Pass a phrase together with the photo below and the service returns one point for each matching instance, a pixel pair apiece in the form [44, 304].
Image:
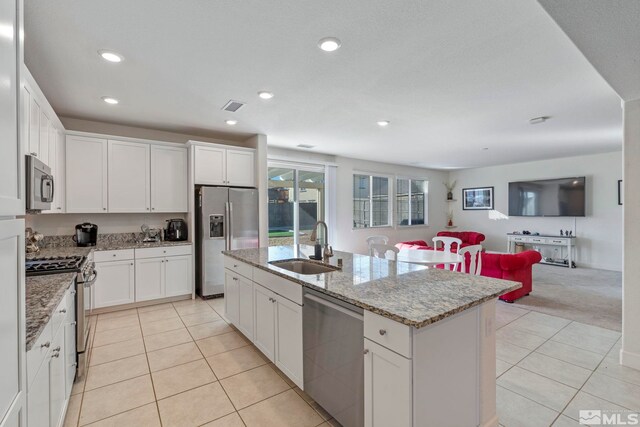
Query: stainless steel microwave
[40, 187]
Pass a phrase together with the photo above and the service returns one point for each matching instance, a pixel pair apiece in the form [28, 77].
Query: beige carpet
[581, 294]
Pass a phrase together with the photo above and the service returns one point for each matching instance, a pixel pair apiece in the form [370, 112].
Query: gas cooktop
[53, 265]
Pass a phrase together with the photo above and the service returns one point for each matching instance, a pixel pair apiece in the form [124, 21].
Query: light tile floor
[182, 364]
[549, 368]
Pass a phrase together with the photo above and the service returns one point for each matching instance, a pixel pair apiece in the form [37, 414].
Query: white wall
[599, 233]
[64, 224]
[354, 240]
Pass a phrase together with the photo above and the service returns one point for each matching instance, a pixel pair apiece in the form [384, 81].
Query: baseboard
[492, 422]
[139, 304]
[632, 360]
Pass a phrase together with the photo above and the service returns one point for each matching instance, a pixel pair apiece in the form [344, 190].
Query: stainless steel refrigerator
[227, 218]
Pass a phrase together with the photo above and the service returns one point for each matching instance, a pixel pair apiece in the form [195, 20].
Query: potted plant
[450, 219]
[450, 187]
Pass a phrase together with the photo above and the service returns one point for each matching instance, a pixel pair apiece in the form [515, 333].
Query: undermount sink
[303, 266]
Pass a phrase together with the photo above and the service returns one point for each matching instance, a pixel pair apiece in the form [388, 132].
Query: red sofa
[468, 238]
[516, 267]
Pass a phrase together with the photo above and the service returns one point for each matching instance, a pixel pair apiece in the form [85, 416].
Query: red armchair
[516, 267]
[468, 237]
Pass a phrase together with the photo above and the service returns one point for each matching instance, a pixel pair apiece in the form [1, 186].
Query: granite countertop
[112, 246]
[43, 294]
[407, 293]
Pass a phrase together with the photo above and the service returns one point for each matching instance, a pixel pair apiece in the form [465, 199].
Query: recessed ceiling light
[265, 95]
[329, 44]
[537, 120]
[383, 123]
[231, 122]
[110, 56]
[110, 100]
[485, 148]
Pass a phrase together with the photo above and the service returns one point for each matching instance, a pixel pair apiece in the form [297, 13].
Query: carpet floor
[582, 294]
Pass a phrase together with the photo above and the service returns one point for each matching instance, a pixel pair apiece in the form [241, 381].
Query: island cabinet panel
[387, 388]
[57, 380]
[264, 323]
[288, 355]
[231, 297]
[245, 307]
[288, 289]
[38, 397]
[388, 333]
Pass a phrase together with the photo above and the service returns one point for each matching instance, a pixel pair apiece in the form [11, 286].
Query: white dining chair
[447, 242]
[475, 252]
[381, 251]
[376, 240]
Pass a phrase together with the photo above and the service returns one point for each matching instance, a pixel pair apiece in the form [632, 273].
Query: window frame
[426, 200]
[390, 196]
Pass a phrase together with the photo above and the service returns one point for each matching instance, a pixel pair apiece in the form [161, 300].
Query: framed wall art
[476, 199]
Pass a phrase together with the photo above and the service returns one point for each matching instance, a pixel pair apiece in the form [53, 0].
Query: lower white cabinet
[115, 283]
[245, 307]
[231, 297]
[265, 324]
[51, 367]
[288, 355]
[387, 387]
[126, 276]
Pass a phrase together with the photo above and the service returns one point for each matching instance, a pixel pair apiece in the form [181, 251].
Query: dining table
[428, 257]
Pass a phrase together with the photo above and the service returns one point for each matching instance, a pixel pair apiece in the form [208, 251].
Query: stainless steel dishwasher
[333, 342]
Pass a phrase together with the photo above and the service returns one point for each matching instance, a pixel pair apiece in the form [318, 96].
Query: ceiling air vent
[305, 146]
[233, 106]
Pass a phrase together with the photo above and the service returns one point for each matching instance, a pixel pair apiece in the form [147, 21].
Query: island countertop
[407, 293]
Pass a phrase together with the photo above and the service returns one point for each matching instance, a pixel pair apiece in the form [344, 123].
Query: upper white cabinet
[86, 174]
[34, 126]
[216, 165]
[169, 179]
[128, 177]
[45, 125]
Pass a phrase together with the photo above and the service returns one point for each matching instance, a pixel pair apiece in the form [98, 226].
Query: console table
[568, 242]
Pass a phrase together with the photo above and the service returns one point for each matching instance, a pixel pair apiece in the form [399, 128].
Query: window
[370, 201]
[411, 201]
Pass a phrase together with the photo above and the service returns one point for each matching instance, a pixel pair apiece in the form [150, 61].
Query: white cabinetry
[34, 126]
[387, 385]
[231, 297]
[86, 174]
[288, 355]
[216, 165]
[149, 279]
[178, 274]
[128, 177]
[169, 189]
[43, 150]
[265, 323]
[115, 283]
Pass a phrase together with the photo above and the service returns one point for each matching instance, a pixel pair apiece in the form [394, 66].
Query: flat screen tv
[548, 197]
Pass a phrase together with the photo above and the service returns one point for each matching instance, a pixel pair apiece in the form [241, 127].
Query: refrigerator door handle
[230, 222]
[227, 242]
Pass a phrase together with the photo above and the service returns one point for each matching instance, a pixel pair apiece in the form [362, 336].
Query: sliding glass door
[296, 202]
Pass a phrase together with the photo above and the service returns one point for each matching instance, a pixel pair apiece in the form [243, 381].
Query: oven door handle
[92, 280]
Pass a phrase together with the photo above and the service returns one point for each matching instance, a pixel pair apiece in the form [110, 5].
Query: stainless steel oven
[40, 185]
[84, 286]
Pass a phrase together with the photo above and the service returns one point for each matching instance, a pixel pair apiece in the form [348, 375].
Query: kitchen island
[429, 334]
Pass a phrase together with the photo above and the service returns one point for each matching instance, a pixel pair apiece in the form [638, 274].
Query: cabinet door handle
[382, 332]
[45, 345]
[235, 278]
[104, 209]
[235, 265]
[73, 323]
[115, 255]
[64, 310]
[57, 349]
[73, 292]
[55, 355]
[366, 351]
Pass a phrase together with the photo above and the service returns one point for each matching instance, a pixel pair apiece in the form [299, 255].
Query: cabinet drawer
[239, 267]
[519, 239]
[288, 289]
[163, 251]
[388, 333]
[58, 315]
[540, 240]
[121, 254]
[38, 352]
[557, 241]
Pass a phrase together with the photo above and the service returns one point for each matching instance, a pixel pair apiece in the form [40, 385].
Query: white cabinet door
[210, 165]
[240, 168]
[169, 189]
[387, 387]
[115, 283]
[178, 275]
[43, 151]
[129, 177]
[231, 297]
[245, 312]
[12, 358]
[38, 398]
[70, 343]
[149, 279]
[57, 385]
[60, 176]
[86, 174]
[288, 355]
[264, 320]
[34, 126]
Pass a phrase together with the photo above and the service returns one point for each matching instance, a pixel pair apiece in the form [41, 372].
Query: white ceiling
[453, 77]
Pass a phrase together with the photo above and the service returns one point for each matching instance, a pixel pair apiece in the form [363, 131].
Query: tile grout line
[146, 355]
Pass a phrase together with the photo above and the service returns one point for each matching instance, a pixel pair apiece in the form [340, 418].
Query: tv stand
[568, 242]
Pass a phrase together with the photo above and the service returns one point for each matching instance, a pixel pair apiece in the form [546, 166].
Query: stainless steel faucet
[328, 250]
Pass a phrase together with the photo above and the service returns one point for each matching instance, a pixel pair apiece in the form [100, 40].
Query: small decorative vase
[449, 197]
[450, 223]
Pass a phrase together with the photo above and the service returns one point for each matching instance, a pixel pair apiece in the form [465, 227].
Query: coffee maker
[176, 230]
[86, 234]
